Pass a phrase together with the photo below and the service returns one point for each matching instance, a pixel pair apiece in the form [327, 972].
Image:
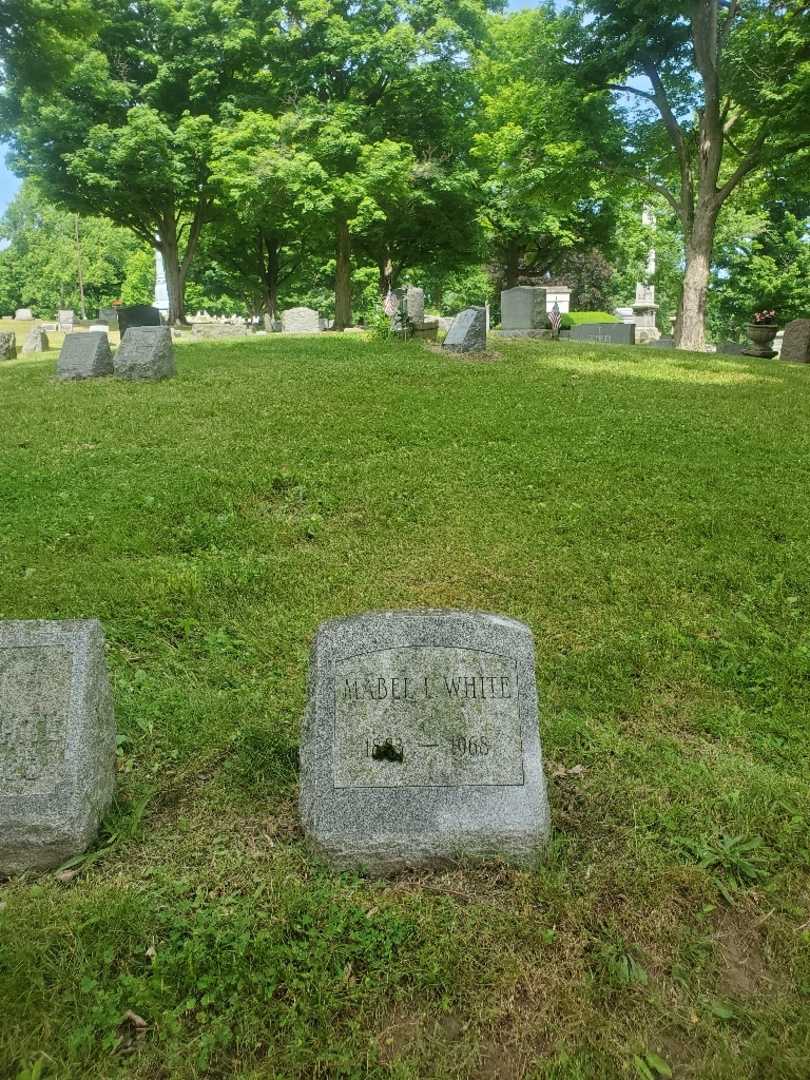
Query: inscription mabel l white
[427, 716]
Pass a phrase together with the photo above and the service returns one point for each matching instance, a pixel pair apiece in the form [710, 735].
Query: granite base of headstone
[300, 320]
[796, 342]
[8, 345]
[36, 342]
[145, 352]
[137, 315]
[421, 744]
[605, 333]
[468, 332]
[84, 356]
[57, 741]
[214, 331]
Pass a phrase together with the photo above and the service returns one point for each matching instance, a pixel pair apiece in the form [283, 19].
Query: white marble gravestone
[421, 743]
[57, 741]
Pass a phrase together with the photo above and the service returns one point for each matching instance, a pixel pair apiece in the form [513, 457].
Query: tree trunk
[80, 269]
[690, 325]
[343, 277]
[270, 269]
[386, 272]
[512, 266]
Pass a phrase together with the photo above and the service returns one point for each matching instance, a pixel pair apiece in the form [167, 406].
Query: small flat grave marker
[57, 741]
[421, 742]
[605, 333]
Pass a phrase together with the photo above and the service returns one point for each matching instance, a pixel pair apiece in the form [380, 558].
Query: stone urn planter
[761, 335]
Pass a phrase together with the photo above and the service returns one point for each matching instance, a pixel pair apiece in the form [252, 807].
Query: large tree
[123, 128]
[709, 92]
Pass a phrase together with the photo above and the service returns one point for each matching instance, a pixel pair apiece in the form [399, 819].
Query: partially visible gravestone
[145, 352]
[660, 343]
[218, 330]
[23, 313]
[421, 743]
[8, 345]
[796, 342]
[300, 320]
[523, 308]
[414, 298]
[625, 314]
[605, 333]
[37, 341]
[98, 327]
[57, 741]
[730, 348]
[468, 332]
[137, 315]
[84, 356]
[65, 319]
[445, 322]
[109, 315]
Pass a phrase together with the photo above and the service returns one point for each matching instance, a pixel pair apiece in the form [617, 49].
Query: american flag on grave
[390, 304]
[555, 318]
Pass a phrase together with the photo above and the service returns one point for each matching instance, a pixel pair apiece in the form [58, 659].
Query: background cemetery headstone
[23, 313]
[109, 315]
[421, 741]
[65, 319]
[35, 342]
[468, 331]
[207, 330]
[145, 352]
[645, 311]
[84, 356]
[8, 345]
[605, 333]
[300, 320]
[137, 315]
[796, 342]
[523, 308]
[57, 741]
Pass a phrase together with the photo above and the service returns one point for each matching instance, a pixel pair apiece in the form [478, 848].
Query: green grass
[645, 512]
[578, 317]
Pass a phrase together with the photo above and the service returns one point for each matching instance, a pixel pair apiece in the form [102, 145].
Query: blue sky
[9, 183]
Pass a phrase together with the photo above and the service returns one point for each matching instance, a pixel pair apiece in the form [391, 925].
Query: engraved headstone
[145, 352]
[421, 742]
[109, 315]
[137, 315]
[414, 298]
[468, 331]
[523, 308]
[8, 345]
[605, 333]
[84, 356]
[23, 313]
[796, 342]
[37, 341]
[57, 741]
[300, 320]
[65, 318]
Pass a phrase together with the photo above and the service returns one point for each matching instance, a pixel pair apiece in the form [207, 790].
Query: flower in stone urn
[762, 330]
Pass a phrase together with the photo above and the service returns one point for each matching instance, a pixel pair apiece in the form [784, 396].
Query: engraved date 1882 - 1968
[393, 749]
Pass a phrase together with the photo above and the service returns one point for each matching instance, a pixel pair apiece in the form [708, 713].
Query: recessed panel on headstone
[605, 333]
[57, 741]
[421, 742]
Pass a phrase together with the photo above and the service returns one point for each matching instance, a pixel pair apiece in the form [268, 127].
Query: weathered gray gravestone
[138, 315]
[468, 331]
[605, 333]
[796, 342]
[23, 313]
[65, 318]
[145, 352]
[37, 341]
[523, 308]
[84, 356]
[300, 320]
[219, 330]
[420, 743]
[57, 741]
[8, 346]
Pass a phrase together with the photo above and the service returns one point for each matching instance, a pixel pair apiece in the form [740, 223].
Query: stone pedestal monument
[645, 310]
[161, 301]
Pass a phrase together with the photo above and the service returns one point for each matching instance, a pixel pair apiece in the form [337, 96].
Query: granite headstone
[145, 352]
[36, 342]
[65, 319]
[84, 356]
[468, 331]
[605, 333]
[57, 741]
[138, 315]
[523, 308]
[421, 742]
[300, 320]
[796, 342]
[23, 313]
[8, 345]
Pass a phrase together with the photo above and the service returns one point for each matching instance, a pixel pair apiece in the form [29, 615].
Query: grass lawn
[646, 513]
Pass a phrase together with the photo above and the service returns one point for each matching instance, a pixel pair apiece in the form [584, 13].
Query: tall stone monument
[57, 741]
[421, 743]
[161, 301]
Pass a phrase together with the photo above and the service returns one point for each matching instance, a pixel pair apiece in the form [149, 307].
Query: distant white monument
[161, 288]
